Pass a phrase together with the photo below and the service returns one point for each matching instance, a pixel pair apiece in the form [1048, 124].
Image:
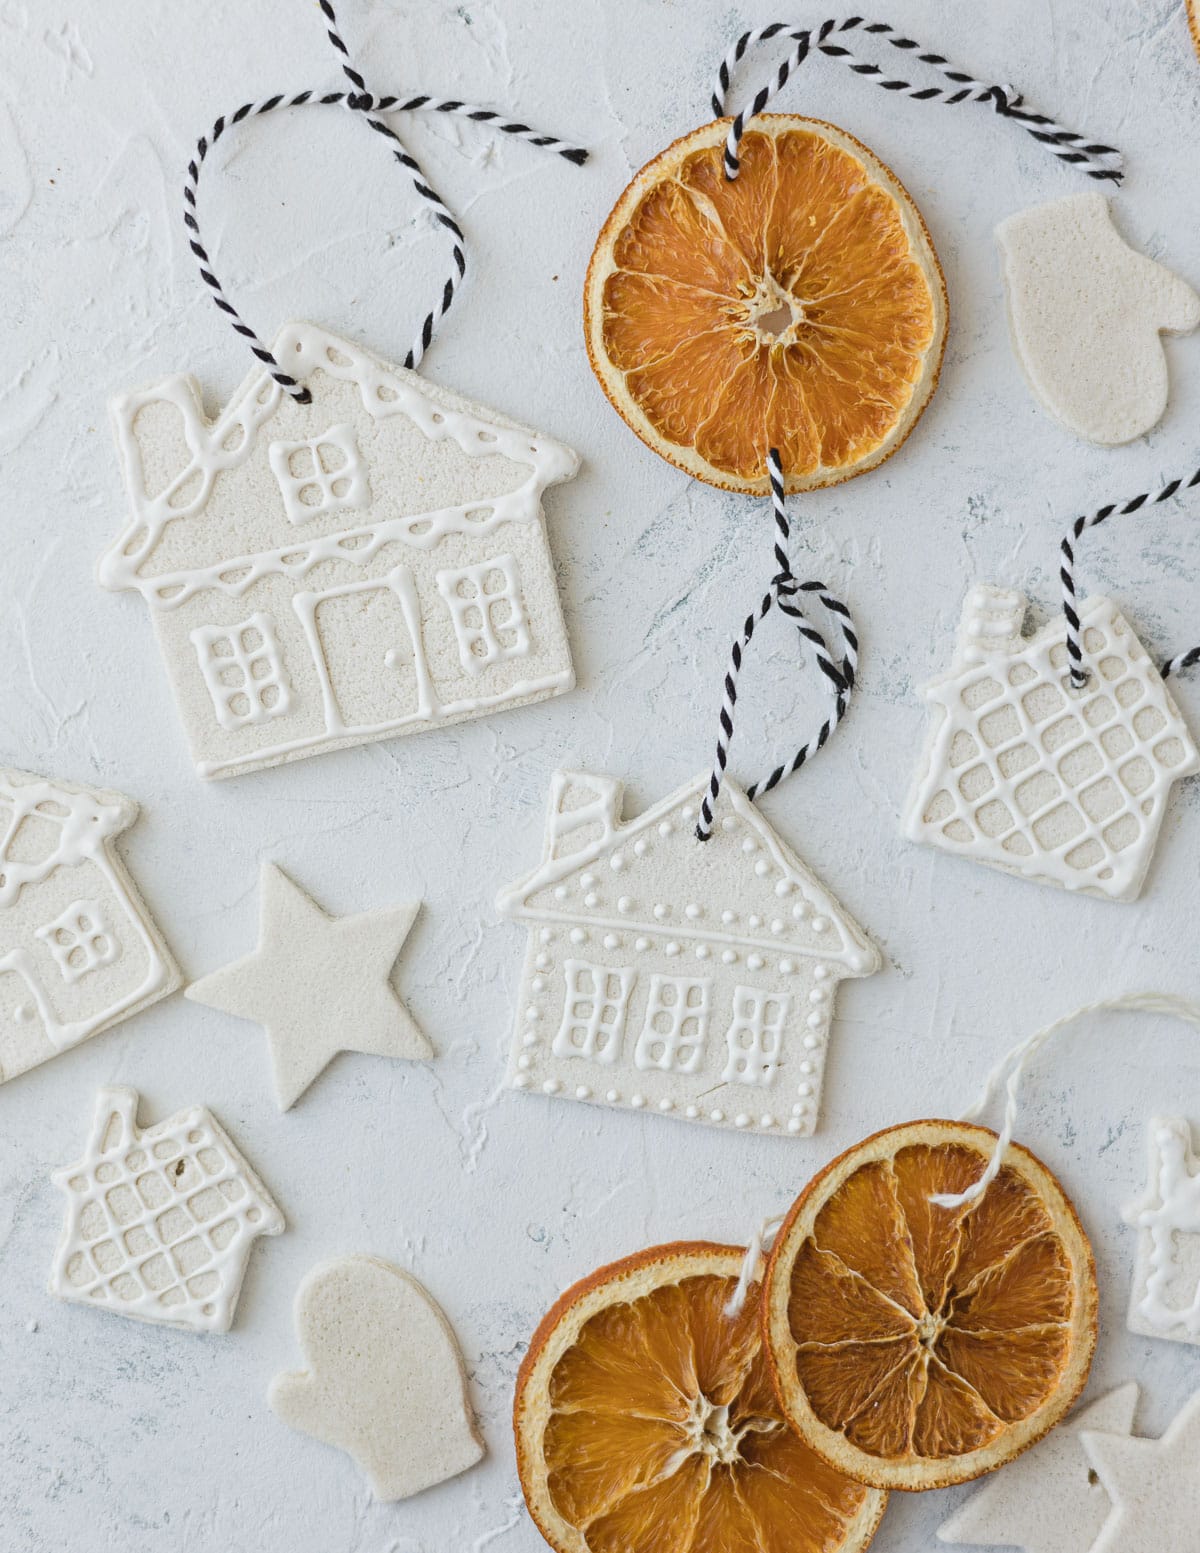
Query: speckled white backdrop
[118, 1435]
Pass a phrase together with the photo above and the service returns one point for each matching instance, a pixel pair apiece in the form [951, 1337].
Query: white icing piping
[514, 901]
[1171, 1208]
[90, 819]
[563, 679]
[384, 392]
[1115, 872]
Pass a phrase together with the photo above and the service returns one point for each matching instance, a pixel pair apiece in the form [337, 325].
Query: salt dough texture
[160, 1220]
[1047, 1501]
[696, 979]
[1165, 1297]
[321, 575]
[78, 949]
[1154, 1486]
[1086, 312]
[1024, 773]
[317, 984]
[385, 1381]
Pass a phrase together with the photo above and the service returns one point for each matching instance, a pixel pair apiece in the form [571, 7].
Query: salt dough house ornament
[369, 564]
[1024, 773]
[692, 978]
[1165, 1299]
[78, 951]
[1086, 312]
[385, 1381]
[1048, 1500]
[160, 1220]
[1154, 1486]
[318, 985]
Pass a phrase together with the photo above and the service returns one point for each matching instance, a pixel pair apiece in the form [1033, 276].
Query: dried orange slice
[1193, 15]
[645, 1422]
[800, 306]
[915, 1346]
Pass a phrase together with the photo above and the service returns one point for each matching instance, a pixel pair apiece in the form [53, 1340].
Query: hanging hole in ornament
[336, 358]
[437, 419]
[1070, 688]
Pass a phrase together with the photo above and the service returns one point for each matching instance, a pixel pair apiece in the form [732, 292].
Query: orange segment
[813, 268]
[914, 1346]
[646, 1422]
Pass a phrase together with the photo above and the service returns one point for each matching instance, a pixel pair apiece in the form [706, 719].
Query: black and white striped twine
[1098, 161]
[783, 593]
[358, 100]
[1079, 672]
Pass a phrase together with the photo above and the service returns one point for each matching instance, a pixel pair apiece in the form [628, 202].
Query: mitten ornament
[1086, 312]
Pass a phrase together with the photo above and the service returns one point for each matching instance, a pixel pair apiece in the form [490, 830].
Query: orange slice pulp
[799, 306]
[645, 1422]
[912, 1345]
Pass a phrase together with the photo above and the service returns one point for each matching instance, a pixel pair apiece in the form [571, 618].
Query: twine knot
[360, 102]
[1006, 99]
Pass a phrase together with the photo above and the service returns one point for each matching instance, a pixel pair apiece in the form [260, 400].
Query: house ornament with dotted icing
[1027, 774]
[160, 1220]
[663, 973]
[78, 951]
[370, 564]
[1165, 1300]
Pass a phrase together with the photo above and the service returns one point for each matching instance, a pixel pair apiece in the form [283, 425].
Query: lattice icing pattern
[1025, 773]
[159, 1221]
[692, 979]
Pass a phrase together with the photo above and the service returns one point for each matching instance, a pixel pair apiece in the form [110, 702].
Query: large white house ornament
[160, 1220]
[78, 950]
[320, 575]
[1165, 1300]
[696, 979]
[1025, 773]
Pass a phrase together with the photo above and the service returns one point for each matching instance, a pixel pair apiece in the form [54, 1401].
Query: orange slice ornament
[645, 1422]
[914, 1343]
[799, 306]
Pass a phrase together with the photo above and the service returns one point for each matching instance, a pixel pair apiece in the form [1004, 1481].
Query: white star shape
[1046, 1501]
[1154, 1486]
[317, 984]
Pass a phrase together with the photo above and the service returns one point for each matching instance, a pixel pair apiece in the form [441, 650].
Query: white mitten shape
[1086, 312]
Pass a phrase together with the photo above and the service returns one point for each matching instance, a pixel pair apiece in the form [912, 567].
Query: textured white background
[119, 1435]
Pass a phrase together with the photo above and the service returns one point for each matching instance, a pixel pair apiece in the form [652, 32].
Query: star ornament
[317, 984]
[1047, 1501]
[1154, 1486]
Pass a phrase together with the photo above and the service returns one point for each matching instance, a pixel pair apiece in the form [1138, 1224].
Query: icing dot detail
[741, 1120]
[551, 1086]
[754, 961]
[524, 1062]
[616, 862]
[591, 899]
[611, 941]
[637, 1101]
[729, 956]
[520, 1080]
[820, 925]
[612, 1096]
[624, 905]
[702, 951]
[582, 1092]
[815, 1021]
[728, 917]
[787, 967]
[692, 910]
[784, 887]
[578, 936]
[692, 1112]
[666, 1103]
[716, 1116]
[641, 943]
[660, 911]
[665, 828]
[672, 948]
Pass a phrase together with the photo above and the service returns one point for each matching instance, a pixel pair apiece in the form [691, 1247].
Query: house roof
[742, 887]
[225, 443]
[47, 824]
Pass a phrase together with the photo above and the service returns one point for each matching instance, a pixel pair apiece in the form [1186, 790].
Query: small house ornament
[160, 1220]
[370, 562]
[1025, 772]
[78, 950]
[665, 973]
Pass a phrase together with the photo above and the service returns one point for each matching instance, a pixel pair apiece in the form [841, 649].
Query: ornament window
[755, 1036]
[593, 1018]
[80, 940]
[488, 613]
[319, 474]
[243, 671]
[676, 1023]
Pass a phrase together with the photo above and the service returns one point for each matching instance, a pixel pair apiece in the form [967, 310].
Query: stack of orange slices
[893, 1343]
[799, 306]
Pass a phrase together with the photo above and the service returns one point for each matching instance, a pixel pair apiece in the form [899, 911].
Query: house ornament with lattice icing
[160, 1220]
[1165, 1300]
[370, 564]
[696, 979]
[78, 950]
[1026, 773]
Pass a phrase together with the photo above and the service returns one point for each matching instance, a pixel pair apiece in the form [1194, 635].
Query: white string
[752, 1262]
[1019, 1056]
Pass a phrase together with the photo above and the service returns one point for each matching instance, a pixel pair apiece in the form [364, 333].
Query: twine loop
[1097, 160]
[782, 592]
[1079, 671]
[357, 100]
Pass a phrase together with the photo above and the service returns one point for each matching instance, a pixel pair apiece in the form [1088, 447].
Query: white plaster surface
[114, 1435]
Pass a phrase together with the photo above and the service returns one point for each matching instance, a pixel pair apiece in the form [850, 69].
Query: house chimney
[991, 622]
[583, 813]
